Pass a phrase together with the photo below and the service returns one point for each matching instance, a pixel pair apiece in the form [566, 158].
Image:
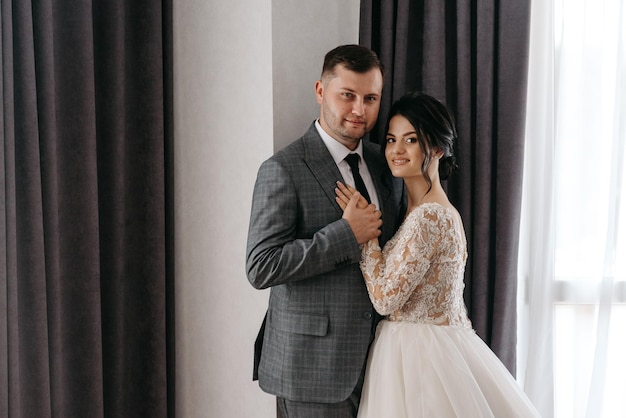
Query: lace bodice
[418, 276]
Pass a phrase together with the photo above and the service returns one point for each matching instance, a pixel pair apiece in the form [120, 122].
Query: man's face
[349, 104]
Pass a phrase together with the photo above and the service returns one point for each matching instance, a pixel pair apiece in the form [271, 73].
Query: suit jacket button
[367, 315]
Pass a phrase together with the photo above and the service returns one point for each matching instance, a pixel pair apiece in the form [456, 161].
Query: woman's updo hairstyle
[435, 127]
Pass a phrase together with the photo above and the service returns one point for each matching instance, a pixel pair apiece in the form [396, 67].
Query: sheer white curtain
[573, 249]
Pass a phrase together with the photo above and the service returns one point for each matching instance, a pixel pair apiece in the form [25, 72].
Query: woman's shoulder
[437, 212]
[434, 207]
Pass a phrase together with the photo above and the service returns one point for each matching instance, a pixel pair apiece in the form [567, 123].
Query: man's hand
[363, 218]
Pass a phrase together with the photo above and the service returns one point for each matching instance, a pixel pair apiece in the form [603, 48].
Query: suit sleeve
[276, 253]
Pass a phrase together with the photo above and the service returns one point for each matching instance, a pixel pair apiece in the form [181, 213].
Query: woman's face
[403, 152]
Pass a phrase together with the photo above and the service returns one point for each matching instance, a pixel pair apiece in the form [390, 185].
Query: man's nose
[358, 107]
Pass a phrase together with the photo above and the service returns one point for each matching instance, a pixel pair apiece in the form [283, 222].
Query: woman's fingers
[344, 200]
[344, 192]
[346, 189]
[343, 195]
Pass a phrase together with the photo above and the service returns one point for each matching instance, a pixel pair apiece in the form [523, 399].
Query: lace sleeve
[392, 274]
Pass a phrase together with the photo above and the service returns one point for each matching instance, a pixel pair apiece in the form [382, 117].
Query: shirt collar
[337, 150]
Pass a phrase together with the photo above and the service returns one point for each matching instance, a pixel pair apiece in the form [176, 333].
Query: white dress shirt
[339, 152]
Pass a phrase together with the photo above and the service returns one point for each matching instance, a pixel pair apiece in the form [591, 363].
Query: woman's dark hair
[435, 130]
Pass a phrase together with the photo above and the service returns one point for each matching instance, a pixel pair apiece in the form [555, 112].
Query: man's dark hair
[355, 58]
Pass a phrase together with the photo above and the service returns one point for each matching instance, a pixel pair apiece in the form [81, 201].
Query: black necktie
[353, 162]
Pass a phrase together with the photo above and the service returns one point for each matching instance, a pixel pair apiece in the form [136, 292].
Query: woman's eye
[410, 140]
[390, 140]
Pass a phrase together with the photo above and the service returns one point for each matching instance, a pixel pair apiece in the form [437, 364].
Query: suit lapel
[377, 170]
[323, 167]
[383, 182]
[321, 163]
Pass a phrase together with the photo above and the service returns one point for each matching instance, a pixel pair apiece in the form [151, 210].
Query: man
[320, 321]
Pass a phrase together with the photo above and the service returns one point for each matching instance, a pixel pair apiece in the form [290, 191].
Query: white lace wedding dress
[426, 360]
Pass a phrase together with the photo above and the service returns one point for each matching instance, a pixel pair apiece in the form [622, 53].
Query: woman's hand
[344, 193]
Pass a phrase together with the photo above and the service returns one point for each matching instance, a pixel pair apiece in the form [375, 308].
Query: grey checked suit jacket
[319, 321]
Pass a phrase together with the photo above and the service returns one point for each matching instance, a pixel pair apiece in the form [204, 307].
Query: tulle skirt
[421, 370]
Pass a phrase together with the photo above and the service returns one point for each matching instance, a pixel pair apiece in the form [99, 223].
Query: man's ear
[319, 91]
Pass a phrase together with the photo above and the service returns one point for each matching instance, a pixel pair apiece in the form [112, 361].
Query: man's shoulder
[372, 153]
[294, 147]
[370, 146]
[299, 146]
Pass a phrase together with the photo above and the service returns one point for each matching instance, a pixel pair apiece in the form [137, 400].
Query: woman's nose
[397, 147]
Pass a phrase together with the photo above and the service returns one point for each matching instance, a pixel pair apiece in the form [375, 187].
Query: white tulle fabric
[426, 360]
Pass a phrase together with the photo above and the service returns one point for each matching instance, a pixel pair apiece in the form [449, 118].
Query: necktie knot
[353, 162]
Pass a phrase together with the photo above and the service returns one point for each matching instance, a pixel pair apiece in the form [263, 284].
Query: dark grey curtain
[86, 274]
[473, 56]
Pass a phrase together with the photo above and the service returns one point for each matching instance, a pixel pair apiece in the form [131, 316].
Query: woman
[426, 360]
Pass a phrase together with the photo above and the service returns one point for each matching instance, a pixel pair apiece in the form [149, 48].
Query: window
[575, 180]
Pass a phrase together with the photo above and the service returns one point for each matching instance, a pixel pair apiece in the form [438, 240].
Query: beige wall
[303, 31]
[244, 72]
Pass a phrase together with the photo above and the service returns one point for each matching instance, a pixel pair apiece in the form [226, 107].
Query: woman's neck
[418, 192]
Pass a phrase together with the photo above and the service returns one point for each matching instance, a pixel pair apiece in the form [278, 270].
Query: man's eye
[372, 99]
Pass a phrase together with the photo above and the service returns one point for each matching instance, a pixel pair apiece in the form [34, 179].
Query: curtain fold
[472, 56]
[536, 290]
[86, 261]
